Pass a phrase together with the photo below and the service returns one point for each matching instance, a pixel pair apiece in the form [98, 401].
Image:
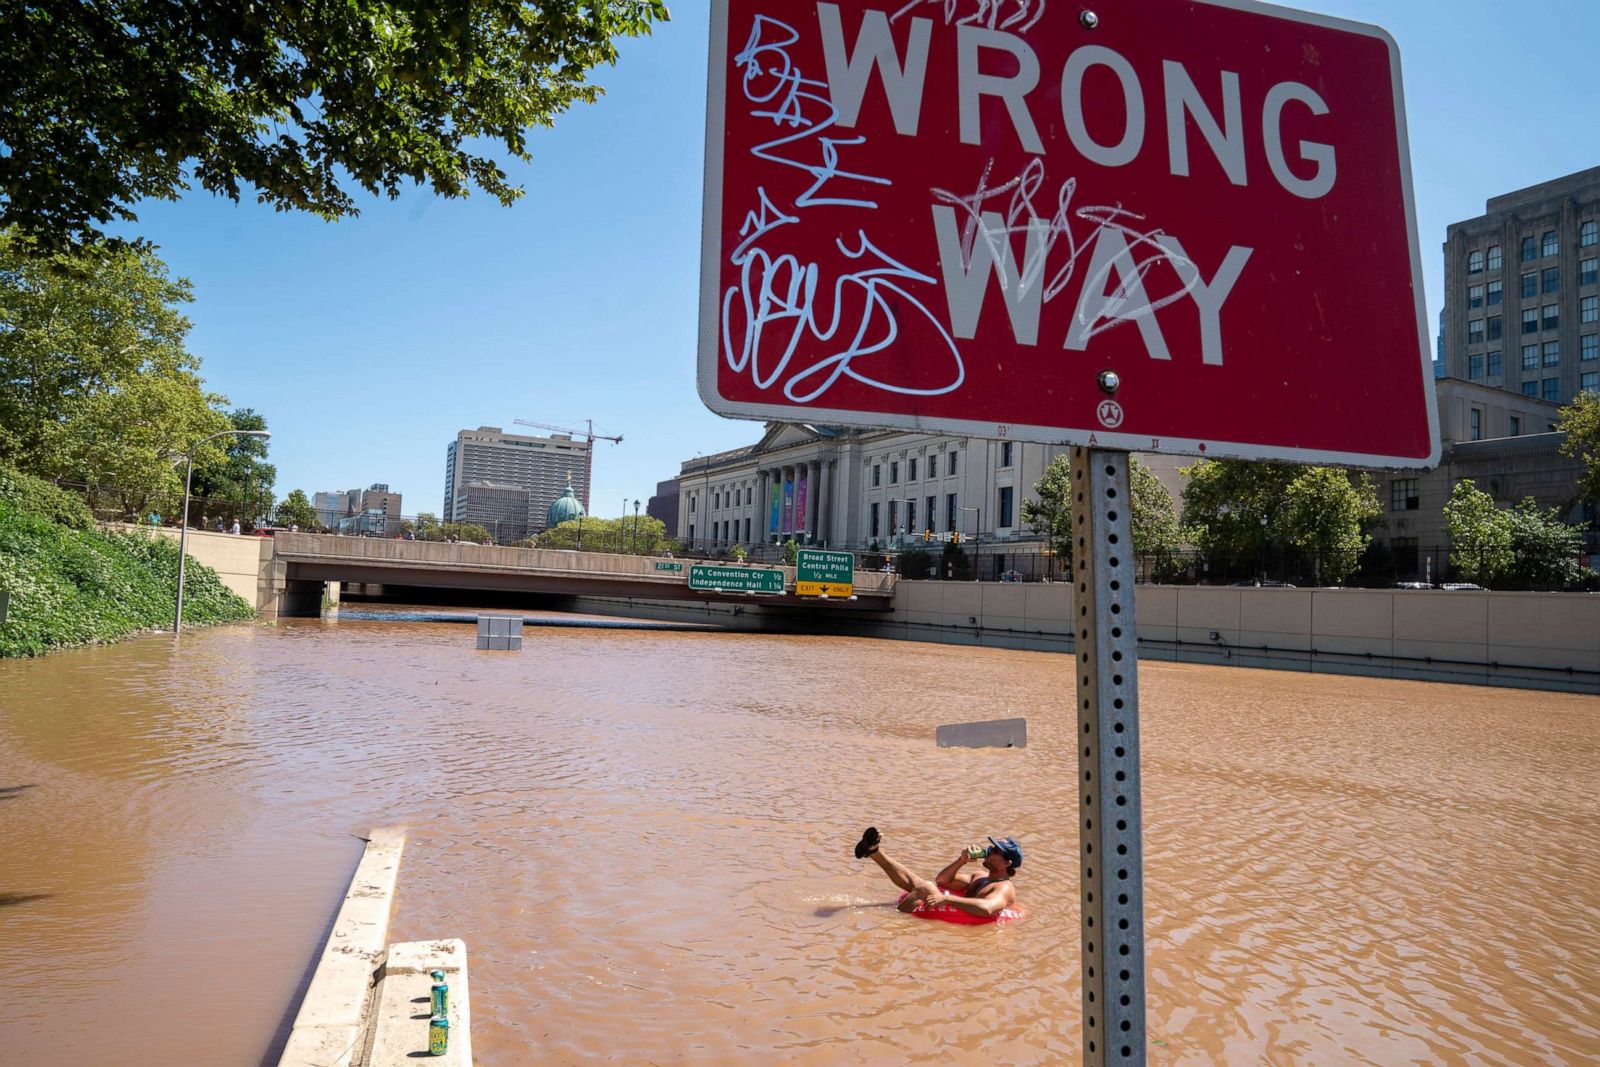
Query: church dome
[565, 508]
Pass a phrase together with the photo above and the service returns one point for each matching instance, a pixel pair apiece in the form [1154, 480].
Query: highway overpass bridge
[297, 567]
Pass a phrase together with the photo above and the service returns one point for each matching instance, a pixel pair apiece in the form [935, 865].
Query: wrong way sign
[959, 216]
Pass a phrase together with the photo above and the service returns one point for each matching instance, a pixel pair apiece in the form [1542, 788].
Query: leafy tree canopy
[1049, 510]
[641, 534]
[297, 510]
[1327, 513]
[241, 478]
[111, 102]
[1226, 500]
[96, 385]
[1580, 421]
[1480, 537]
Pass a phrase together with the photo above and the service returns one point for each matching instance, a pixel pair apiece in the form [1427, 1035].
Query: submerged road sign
[735, 579]
[820, 572]
[960, 215]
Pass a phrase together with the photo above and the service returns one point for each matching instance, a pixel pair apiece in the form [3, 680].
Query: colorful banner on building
[772, 527]
[800, 501]
[788, 505]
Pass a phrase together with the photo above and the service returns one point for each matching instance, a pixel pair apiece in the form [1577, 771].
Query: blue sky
[368, 343]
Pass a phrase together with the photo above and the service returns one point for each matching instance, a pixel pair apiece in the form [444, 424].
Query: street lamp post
[1263, 550]
[183, 529]
[635, 527]
[977, 536]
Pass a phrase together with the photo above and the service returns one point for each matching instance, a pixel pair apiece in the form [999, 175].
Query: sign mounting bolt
[1088, 20]
[1109, 382]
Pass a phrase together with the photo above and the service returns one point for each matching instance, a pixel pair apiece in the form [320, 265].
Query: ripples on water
[645, 839]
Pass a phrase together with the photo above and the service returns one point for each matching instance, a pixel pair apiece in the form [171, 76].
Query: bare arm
[951, 874]
[984, 906]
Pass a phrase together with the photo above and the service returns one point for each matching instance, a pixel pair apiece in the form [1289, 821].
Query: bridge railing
[564, 562]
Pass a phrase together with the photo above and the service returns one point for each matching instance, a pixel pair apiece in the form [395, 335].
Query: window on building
[1474, 366]
[1495, 329]
[1475, 262]
[1516, 426]
[1589, 381]
[1530, 357]
[911, 516]
[1405, 494]
[1552, 353]
[932, 504]
[1589, 347]
[1552, 279]
[1477, 424]
[1530, 387]
[1587, 273]
[1005, 453]
[877, 475]
[1495, 257]
[1474, 331]
[894, 472]
[693, 499]
[1474, 296]
[1496, 292]
[1496, 365]
[1530, 320]
[950, 462]
[1589, 309]
[1588, 233]
[894, 517]
[1004, 507]
[1530, 250]
[747, 531]
[911, 469]
[1551, 244]
[1552, 390]
[872, 522]
[950, 510]
[1552, 317]
[1530, 285]
[933, 465]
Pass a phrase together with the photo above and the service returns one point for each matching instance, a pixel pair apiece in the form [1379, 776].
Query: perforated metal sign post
[1111, 852]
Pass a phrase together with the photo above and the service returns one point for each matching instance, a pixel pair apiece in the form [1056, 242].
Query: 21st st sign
[953, 215]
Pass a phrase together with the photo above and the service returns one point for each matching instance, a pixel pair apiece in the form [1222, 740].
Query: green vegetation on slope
[71, 585]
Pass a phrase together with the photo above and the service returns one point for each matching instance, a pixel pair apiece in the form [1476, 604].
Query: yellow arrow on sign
[827, 589]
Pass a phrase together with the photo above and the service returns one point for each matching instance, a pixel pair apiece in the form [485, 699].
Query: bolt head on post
[1109, 381]
[1088, 20]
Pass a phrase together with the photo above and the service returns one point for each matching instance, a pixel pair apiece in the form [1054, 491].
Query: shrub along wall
[72, 585]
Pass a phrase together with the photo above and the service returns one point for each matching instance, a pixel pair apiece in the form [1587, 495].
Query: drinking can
[441, 999]
[438, 1035]
[976, 852]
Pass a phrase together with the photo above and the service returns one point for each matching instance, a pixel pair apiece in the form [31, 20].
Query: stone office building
[859, 488]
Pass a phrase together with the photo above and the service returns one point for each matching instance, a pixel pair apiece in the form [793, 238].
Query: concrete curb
[400, 1007]
[329, 1030]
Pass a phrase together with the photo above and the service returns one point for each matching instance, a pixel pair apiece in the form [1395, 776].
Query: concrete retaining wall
[1530, 640]
[238, 559]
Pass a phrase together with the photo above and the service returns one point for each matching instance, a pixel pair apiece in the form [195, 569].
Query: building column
[758, 528]
[814, 499]
[825, 502]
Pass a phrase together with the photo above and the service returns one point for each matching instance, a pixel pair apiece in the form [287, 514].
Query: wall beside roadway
[238, 559]
[1527, 640]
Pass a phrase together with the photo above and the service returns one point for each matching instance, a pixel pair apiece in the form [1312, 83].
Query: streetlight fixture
[1263, 547]
[183, 529]
[635, 526]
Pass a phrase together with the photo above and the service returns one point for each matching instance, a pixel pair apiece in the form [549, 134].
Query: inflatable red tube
[951, 914]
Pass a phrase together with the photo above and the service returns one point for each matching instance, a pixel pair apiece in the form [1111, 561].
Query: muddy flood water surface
[645, 840]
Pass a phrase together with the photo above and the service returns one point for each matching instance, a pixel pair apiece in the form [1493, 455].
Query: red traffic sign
[959, 215]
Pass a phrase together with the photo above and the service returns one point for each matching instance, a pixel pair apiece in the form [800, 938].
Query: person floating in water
[983, 897]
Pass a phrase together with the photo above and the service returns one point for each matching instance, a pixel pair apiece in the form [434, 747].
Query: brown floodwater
[644, 838]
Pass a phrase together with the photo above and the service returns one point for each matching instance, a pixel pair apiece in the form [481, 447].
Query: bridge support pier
[280, 597]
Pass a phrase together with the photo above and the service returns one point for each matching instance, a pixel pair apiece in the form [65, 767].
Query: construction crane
[590, 437]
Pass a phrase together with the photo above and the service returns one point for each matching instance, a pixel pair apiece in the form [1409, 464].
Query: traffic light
[927, 535]
[955, 536]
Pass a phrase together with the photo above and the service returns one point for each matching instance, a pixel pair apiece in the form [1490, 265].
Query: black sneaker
[868, 843]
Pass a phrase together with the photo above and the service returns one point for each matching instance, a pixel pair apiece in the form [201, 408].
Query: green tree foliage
[649, 538]
[95, 384]
[1480, 536]
[112, 102]
[1544, 550]
[1049, 511]
[1580, 421]
[916, 563]
[296, 510]
[1327, 514]
[239, 481]
[1225, 501]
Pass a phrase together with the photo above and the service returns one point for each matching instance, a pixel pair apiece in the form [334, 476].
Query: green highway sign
[821, 565]
[736, 579]
[664, 565]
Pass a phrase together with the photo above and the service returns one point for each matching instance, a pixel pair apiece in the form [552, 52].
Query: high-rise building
[481, 464]
[373, 510]
[1522, 291]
